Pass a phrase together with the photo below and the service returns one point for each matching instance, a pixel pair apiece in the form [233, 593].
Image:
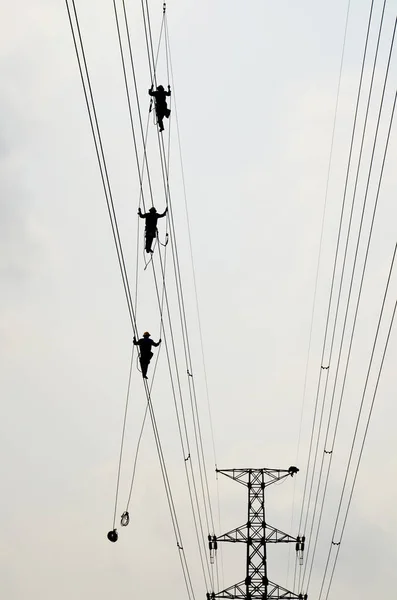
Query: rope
[136, 268]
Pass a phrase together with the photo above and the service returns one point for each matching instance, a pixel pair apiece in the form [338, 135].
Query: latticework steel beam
[256, 534]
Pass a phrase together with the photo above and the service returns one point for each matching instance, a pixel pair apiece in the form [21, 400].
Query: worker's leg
[149, 241]
[144, 366]
[145, 360]
[160, 117]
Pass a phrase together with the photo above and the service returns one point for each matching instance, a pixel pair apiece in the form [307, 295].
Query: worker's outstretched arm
[135, 342]
[169, 92]
[141, 214]
[151, 92]
[158, 343]
[164, 213]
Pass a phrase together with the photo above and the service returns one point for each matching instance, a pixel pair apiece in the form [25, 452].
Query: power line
[357, 425]
[351, 281]
[167, 42]
[353, 327]
[190, 240]
[185, 337]
[100, 156]
[334, 269]
[148, 172]
[201, 458]
[318, 266]
[104, 176]
[141, 171]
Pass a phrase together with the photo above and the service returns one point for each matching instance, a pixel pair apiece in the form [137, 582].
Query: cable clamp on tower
[299, 548]
[213, 546]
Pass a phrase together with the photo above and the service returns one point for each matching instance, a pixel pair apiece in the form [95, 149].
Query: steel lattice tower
[256, 534]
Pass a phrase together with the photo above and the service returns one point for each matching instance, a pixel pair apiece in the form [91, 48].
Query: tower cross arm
[272, 535]
[274, 592]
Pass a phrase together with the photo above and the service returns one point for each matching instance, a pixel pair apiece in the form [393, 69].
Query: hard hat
[146, 334]
[160, 87]
[152, 209]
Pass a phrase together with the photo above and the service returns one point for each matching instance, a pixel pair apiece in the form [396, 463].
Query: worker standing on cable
[161, 107]
[145, 346]
[151, 218]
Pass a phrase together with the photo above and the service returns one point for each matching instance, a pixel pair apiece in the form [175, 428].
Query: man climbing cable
[150, 225]
[145, 346]
[161, 107]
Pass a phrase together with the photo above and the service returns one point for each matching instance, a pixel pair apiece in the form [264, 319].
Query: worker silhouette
[145, 346]
[161, 107]
[151, 218]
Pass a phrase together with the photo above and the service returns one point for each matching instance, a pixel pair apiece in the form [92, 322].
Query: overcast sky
[256, 85]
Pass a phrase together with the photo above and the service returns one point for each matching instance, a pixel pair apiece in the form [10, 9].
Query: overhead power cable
[154, 272]
[332, 446]
[317, 274]
[335, 262]
[92, 114]
[170, 71]
[329, 361]
[196, 420]
[107, 190]
[136, 269]
[356, 429]
[146, 19]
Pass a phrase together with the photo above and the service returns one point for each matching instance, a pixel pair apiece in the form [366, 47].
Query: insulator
[215, 545]
[292, 471]
[208, 595]
[303, 538]
[297, 546]
[125, 519]
[113, 535]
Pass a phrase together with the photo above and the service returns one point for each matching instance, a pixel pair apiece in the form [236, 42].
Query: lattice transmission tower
[256, 534]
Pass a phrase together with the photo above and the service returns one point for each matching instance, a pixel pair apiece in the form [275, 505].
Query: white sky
[256, 88]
